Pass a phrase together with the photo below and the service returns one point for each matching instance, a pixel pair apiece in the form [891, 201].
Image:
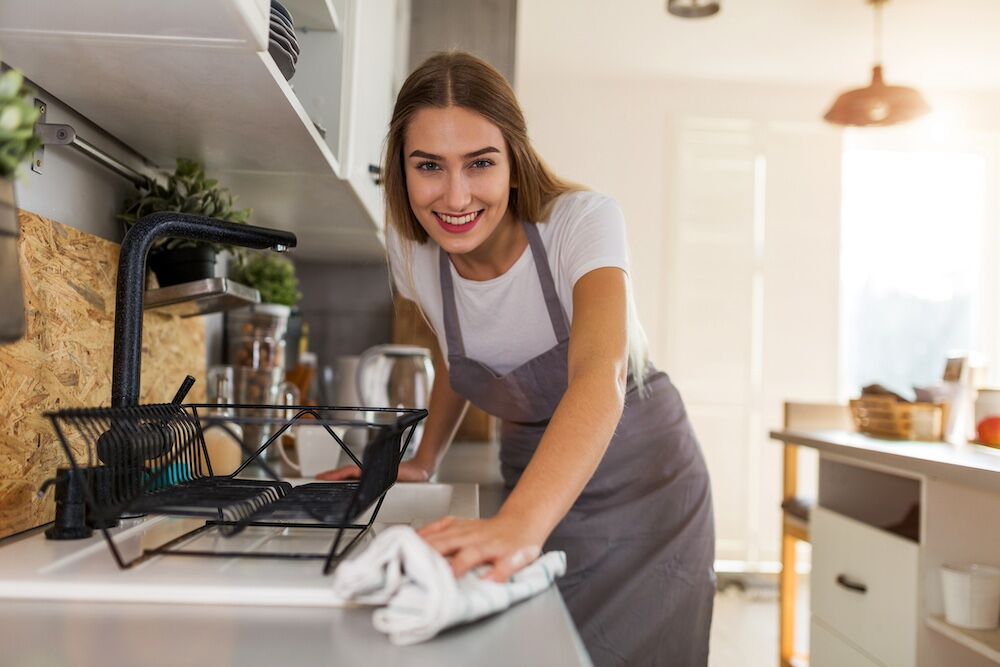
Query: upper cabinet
[194, 79]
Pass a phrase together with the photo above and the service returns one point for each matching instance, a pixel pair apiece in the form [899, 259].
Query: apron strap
[556, 313]
[452, 328]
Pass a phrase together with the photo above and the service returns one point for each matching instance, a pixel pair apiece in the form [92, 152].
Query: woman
[523, 278]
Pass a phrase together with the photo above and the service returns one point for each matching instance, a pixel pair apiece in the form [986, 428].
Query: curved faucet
[127, 365]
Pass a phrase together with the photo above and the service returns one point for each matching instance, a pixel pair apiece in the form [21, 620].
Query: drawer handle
[851, 585]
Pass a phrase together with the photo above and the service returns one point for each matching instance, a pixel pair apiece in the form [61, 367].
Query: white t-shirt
[504, 321]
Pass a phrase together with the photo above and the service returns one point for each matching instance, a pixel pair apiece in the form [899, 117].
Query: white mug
[317, 450]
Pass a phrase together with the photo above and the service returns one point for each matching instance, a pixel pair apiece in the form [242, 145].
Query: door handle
[842, 580]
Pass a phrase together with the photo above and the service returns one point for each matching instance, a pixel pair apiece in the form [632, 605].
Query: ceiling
[947, 43]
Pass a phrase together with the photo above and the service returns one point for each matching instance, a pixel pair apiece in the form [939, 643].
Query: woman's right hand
[409, 471]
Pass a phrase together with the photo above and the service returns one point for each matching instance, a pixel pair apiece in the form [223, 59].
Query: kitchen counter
[535, 632]
[112, 633]
[966, 464]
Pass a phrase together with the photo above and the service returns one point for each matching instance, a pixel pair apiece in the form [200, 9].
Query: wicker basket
[886, 417]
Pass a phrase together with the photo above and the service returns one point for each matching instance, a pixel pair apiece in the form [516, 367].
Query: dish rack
[887, 417]
[153, 460]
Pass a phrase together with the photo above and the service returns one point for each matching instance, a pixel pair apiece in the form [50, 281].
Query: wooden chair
[795, 513]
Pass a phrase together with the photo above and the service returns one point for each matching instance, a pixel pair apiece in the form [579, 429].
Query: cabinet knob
[376, 172]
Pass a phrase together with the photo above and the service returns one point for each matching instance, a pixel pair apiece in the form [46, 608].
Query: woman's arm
[572, 446]
[444, 413]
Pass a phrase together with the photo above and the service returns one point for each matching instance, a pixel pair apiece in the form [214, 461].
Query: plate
[280, 18]
[283, 43]
[283, 32]
[281, 10]
[281, 58]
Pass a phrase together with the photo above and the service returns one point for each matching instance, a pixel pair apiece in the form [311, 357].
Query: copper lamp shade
[877, 104]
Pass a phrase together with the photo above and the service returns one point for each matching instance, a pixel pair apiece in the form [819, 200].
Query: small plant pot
[182, 265]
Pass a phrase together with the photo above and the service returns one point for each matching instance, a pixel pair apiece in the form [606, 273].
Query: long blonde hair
[460, 79]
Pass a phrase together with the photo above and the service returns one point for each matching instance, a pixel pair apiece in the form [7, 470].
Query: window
[913, 284]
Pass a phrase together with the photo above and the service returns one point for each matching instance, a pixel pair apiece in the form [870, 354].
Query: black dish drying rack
[153, 460]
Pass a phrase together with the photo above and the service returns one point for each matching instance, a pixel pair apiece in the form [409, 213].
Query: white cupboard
[195, 80]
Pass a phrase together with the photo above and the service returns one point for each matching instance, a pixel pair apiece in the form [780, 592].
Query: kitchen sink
[35, 568]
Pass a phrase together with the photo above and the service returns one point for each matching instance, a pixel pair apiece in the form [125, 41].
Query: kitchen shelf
[313, 14]
[172, 83]
[984, 642]
[200, 297]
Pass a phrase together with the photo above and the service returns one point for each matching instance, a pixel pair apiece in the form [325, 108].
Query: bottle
[222, 438]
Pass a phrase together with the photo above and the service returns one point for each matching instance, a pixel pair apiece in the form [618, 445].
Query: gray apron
[640, 540]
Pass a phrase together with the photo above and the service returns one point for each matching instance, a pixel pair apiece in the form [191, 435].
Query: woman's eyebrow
[431, 156]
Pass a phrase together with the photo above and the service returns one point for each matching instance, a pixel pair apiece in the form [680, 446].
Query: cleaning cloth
[417, 593]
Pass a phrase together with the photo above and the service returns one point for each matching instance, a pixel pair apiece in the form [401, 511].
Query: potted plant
[188, 190]
[17, 142]
[256, 333]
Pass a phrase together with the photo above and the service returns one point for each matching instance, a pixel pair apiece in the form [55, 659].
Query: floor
[745, 622]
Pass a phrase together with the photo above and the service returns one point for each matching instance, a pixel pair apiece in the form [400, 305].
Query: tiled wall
[348, 307]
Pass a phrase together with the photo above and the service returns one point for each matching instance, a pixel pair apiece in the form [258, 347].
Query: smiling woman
[524, 280]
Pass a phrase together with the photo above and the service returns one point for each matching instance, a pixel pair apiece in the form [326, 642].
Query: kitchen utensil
[396, 376]
[278, 28]
[281, 58]
[281, 18]
[971, 595]
[285, 46]
[280, 8]
[264, 391]
[316, 449]
[173, 483]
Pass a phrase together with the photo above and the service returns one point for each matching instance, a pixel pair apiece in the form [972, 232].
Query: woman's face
[458, 178]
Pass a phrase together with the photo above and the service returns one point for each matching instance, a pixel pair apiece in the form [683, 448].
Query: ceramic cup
[317, 451]
[971, 595]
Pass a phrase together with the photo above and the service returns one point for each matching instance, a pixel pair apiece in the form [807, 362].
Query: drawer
[827, 649]
[864, 586]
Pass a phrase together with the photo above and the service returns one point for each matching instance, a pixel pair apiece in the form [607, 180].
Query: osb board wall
[409, 327]
[64, 360]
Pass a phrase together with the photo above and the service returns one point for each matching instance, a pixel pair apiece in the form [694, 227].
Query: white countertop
[967, 464]
[123, 634]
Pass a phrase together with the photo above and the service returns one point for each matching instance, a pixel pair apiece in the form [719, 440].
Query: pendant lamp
[692, 9]
[877, 104]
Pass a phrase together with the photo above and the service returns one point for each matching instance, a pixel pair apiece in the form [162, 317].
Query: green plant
[188, 190]
[272, 275]
[17, 123]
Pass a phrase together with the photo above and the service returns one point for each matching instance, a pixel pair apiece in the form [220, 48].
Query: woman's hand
[409, 471]
[503, 544]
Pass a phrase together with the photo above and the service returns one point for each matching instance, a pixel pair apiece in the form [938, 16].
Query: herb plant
[270, 274]
[188, 190]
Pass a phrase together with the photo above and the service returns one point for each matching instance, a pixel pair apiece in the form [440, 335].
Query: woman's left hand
[501, 543]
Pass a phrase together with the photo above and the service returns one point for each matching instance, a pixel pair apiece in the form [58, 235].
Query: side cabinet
[863, 584]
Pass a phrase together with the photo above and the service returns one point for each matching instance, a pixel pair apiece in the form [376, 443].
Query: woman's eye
[482, 164]
[427, 166]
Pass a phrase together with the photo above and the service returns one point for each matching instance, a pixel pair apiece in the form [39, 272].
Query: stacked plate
[281, 43]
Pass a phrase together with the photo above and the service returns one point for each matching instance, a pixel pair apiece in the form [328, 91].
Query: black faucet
[127, 365]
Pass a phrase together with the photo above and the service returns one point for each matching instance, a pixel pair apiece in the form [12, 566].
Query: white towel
[419, 591]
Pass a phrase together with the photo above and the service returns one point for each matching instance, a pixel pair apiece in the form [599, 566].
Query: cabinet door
[372, 94]
[864, 585]
[827, 649]
[216, 24]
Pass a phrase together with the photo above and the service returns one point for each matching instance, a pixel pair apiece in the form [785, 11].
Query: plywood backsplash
[64, 360]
